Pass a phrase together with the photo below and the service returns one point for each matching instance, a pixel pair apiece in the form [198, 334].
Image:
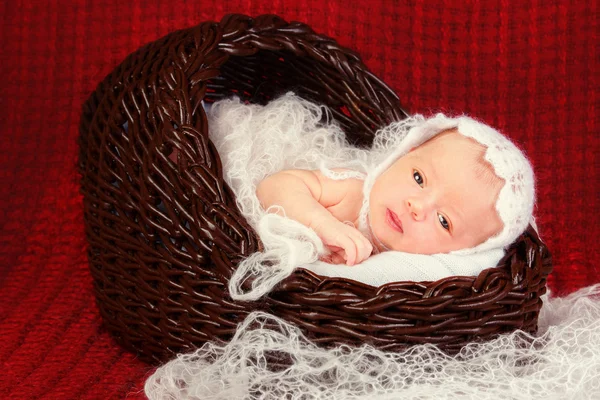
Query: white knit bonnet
[516, 198]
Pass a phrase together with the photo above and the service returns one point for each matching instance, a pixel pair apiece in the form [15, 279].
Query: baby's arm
[304, 196]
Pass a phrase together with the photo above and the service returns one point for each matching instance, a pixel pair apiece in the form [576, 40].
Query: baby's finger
[337, 258]
[364, 247]
[350, 247]
[368, 248]
[338, 255]
[326, 259]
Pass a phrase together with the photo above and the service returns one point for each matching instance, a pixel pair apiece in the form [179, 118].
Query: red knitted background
[528, 68]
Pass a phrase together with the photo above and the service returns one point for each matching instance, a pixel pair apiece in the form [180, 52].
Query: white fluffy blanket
[562, 362]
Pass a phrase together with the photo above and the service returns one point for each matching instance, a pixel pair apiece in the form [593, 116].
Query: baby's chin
[382, 239]
[378, 246]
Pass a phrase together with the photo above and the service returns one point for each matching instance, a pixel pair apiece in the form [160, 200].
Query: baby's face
[439, 197]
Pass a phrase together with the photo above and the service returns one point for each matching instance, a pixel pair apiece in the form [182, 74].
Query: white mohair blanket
[256, 141]
[562, 362]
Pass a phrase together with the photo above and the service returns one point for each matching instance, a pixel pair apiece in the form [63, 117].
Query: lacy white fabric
[562, 362]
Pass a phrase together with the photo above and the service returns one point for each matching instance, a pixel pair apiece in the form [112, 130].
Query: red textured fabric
[528, 68]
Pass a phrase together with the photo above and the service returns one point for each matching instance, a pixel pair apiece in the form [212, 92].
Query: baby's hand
[346, 243]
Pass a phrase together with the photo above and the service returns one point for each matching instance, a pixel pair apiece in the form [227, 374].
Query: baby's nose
[417, 208]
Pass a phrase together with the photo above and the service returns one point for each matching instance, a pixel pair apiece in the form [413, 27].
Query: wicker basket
[164, 238]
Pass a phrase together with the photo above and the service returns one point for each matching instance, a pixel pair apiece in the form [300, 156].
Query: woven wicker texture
[165, 237]
[528, 68]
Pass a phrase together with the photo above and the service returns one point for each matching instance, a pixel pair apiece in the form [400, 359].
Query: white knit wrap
[516, 198]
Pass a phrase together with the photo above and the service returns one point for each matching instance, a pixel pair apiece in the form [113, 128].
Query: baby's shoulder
[343, 185]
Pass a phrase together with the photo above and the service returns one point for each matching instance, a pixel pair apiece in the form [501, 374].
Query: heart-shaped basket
[164, 237]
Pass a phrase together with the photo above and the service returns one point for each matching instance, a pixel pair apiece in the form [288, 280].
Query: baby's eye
[444, 222]
[417, 177]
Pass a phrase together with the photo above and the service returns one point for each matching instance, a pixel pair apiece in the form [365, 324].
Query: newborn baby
[431, 198]
[439, 197]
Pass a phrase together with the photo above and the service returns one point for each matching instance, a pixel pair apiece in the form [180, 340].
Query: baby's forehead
[451, 143]
[453, 153]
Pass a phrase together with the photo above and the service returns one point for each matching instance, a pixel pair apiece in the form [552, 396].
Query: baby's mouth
[393, 220]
